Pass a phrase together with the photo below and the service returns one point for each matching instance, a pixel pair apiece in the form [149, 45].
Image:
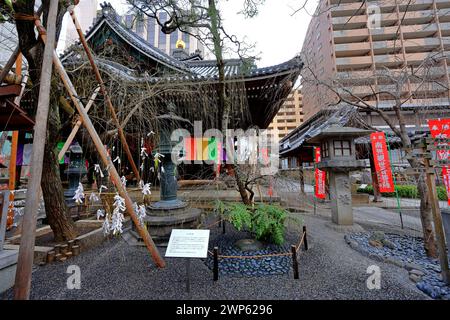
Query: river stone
[249, 245]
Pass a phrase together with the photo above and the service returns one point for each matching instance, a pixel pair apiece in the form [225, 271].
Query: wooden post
[3, 216]
[223, 226]
[9, 64]
[14, 144]
[438, 228]
[26, 250]
[305, 239]
[105, 93]
[12, 171]
[76, 126]
[104, 155]
[216, 264]
[373, 173]
[294, 261]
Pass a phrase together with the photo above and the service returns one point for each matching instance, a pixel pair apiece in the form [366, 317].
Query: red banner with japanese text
[319, 177]
[382, 162]
[440, 128]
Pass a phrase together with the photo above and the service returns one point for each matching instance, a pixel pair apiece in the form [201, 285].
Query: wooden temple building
[186, 83]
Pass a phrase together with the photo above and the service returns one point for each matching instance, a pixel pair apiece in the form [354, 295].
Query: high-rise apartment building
[354, 41]
[289, 116]
[148, 29]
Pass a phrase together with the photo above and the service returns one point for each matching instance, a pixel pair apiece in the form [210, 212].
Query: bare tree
[384, 91]
[204, 17]
[23, 14]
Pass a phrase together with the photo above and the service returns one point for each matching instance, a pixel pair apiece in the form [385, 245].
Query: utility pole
[26, 250]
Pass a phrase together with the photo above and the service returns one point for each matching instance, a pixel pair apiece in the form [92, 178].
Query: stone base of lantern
[163, 216]
[341, 198]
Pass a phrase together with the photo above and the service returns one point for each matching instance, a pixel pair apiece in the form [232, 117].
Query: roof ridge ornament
[108, 10]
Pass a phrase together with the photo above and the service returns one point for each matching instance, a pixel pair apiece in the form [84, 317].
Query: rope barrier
[282, 254]
[212, 224]
[301, 242]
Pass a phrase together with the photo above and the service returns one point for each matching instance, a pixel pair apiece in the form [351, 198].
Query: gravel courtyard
[330, 269]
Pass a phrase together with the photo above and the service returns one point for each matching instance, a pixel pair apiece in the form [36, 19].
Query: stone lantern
[169, 212]
[338, 158]
[75, 172]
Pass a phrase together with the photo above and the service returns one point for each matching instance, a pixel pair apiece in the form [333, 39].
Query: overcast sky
[278, 35]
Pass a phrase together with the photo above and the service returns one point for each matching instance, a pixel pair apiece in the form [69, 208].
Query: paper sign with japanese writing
[440, 128]
[319, 177]
[188, 243]
[382, 162]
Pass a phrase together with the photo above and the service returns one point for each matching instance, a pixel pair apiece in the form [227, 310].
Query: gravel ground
[330, 269]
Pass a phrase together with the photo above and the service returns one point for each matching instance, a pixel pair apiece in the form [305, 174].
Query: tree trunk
[427, 219]
[224, 103]
[55, 205]
[33, 48]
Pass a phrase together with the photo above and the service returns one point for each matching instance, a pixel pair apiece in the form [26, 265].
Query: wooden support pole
[305, 239]
[216, 264]
[12, 170]
[4, 195]
[106, 159]
[9, 64]
[26, 250]
[77, 126]
[294, 261]
[105, 93]
[437, 218]
[14, 145]
[223, 227]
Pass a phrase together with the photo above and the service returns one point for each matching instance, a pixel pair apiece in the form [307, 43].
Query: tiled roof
[188, 69]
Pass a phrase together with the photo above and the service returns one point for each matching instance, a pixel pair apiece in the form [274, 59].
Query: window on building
[342, 148]
[325, 153]
[173, 40]
[162, 35]
[151, 31]
[140, 27]
[185, 38]
[129, 21]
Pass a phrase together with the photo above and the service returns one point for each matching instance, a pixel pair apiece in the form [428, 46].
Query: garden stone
[376, 257]
[249, 245]
[353, 244]
[377, 236]
[417, 272]
[411, 266]
[415, 278]
[388, 243]
[375, 243]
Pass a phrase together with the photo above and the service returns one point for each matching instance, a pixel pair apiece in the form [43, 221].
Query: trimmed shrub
[407, 191]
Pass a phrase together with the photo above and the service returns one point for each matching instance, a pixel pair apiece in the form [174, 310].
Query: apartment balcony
[340, 9]
[352, 49]
[353, 63]
[352, 22]
[422, 31]
[389, 19]
[412, 59]
[348, 36]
